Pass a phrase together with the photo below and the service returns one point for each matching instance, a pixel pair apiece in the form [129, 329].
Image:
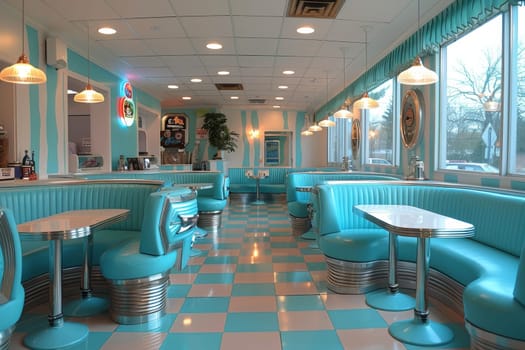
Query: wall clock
[411, 117]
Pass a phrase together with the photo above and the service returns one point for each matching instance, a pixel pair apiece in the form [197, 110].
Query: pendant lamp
[89, 95]
[22, 72]
[343, 112]
[418, 74]
[306, 131]
[326, 122]
[314, 127]
[366, 102]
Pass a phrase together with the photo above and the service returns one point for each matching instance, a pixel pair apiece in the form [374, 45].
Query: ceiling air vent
[229, 86]
[258, 101]
[314, 8]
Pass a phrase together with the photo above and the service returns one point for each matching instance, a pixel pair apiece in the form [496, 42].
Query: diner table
[56, 228]
[261, 174]
[422, 224]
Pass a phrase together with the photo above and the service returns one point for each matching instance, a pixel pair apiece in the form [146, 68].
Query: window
[517, 92]
[472, 103]
[381, 126]
[339, 141]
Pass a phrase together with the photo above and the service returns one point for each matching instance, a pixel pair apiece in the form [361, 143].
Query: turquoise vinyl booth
[138, 269]
[11, 290]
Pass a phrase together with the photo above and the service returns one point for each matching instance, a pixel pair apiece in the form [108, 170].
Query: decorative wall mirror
[355, 138]
[411, 117]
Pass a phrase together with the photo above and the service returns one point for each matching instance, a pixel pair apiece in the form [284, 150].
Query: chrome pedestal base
[56, 337]
[140, 300]
[389, 301]
[421, 333]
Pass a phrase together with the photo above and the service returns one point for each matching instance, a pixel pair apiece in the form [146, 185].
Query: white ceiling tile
[144, 61]
[299, 48]
[127, 47]
[153, 71]
[162, 27]
[219, 60]
[257, 27]
[256, 46]
[171, 46]
[82, 10]
[139, 8]
[256, 61]
[258, 7]
[211, 27]
[200, 7]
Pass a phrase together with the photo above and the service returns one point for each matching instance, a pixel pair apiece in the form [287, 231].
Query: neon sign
[126, 106]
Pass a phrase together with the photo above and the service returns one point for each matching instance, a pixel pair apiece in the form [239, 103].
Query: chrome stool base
[139, 300]
[210, 220]
[5, 337]
[300, 225]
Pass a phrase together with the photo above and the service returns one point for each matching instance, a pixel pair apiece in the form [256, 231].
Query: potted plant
[219, 135]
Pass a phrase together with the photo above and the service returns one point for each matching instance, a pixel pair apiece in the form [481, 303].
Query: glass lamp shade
[22, 72]
[417, 74]
[315, 127]
[343, 113]
[326, 123]
[366, 102]
[306, 132]
[88, 95]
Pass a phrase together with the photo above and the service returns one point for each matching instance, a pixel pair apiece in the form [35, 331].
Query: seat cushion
[359, 245]
[126, 262]
[210, 204]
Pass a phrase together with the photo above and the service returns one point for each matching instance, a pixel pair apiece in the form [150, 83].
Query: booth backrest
[310, 179]
[35, 201]
[478, 207]
[163, 224]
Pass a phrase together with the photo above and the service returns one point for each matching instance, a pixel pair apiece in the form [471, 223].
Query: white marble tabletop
[411, 221]
[70, 224]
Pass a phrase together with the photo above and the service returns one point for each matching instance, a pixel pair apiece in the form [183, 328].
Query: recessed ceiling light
[234, 97]
[283, 87]
[107, 30]
[276, 106]
[223, 72]
[196, 80]
[173, 86]
[279, 98]
[214, 46]
[305, 30]
[288, 72]
[71, 92]
[186, 97]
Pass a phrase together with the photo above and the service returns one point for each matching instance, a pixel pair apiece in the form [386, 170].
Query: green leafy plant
[219, 135]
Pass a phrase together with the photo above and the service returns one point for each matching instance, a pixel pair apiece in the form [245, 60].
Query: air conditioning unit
[56, 53]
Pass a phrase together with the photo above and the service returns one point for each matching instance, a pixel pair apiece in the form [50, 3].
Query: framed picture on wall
[411, 117]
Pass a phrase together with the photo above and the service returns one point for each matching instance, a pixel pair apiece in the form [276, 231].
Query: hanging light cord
[366, 58]
[23, 28]
[89, 57]
[419, 36]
